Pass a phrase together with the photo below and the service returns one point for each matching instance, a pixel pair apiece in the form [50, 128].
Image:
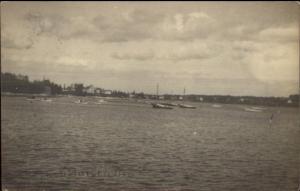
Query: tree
[78, 89]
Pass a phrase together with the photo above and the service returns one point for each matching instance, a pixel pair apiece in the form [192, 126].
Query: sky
[226, 48]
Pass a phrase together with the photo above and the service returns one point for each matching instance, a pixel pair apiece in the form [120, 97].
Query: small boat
[169, 104]
[187, 106]
[216, 106]
[252, 109]
[30, 98]
[259, 108]
[160, 106]
[46, 100]
[101, 101]
[80, 101]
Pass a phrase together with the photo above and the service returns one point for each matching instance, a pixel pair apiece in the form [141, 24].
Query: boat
[31, 98]
[252, 109]
[259, 108]
[160, 106]
[186, 106]
[169, 104]
[80, 101]
[101, 101]
[216, 105]
[182, 105]
[46, 100]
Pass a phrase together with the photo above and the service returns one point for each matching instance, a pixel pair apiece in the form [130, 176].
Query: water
[61, 145]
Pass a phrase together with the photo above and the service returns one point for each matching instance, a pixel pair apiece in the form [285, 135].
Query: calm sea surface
[61, 145]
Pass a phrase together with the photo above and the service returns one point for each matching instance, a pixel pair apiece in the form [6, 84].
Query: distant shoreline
[8, 94]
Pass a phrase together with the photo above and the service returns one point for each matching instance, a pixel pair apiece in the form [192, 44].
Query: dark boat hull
[187, 106]
[160, 106]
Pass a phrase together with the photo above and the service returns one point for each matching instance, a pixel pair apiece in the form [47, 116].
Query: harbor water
[114, 146]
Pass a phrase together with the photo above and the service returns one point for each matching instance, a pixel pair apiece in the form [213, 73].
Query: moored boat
[80, 101]
[160, 106]
[169, 104]
[182, 105]
[187, 106]
[252, 109]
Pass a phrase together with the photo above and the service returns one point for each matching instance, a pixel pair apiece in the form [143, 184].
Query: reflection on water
[61, 145]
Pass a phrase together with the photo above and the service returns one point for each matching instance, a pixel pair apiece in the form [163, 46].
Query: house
[89, 90]
[47, 90]
[98, 91]
[161, 97]
[107, 92]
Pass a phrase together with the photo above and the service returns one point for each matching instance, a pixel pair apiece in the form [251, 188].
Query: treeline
[292, 100]
[21, 84]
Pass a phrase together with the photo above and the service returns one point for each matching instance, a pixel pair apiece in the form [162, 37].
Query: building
[107, 92]
[89, 90]
[98, 91]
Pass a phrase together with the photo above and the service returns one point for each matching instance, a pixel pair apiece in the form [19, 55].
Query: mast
[157, 89]
[183, 95]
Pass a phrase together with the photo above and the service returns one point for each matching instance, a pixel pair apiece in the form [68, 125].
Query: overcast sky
[236, 48]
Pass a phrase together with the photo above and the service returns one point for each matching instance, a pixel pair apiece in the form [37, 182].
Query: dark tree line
[21, 84]
[116, 93]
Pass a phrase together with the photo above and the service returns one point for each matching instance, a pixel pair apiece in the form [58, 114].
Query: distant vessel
[216, 105]
[46, 99]
[80, 101]
[100, 101]
[259, 108]
[185, 105]
[160, 105]
[252, 109]
[31, 98]
[169, 104]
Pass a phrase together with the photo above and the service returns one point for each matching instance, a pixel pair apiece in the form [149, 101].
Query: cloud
[59, 26]
[130, 25]
[16, 43]
[245, 46]
[164, 50]
[126, 26]
[133, 55]
[13, 37]
[286, 34]
[187, 26]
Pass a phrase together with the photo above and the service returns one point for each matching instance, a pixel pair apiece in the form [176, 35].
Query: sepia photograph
[150, 96]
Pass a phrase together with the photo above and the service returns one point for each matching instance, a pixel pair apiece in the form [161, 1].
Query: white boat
[80, 101]
[185, 105]
[169, 104]
[101, 101]
[259, 108]
[252, 109]
[160, 106]
[46, 100]
[216, 105]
